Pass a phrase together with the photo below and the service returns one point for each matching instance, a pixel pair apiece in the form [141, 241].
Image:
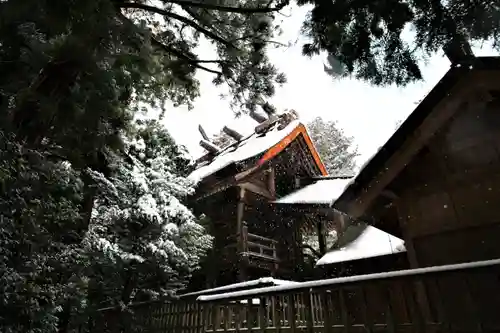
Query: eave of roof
[414, 120]
[267, 154]
[321, 191]
[280, 146]
[371, 242]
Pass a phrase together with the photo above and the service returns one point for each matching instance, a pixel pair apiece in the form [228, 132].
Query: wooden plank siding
[461, 298]
[450, 192]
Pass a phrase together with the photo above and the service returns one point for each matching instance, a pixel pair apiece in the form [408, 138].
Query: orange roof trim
[280, 146]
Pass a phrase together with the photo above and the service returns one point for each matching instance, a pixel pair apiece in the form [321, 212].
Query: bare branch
[180, 18]
[218, 61]
[276, 43]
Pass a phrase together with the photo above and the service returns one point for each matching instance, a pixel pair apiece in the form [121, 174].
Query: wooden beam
[257, 190]
[210, 146]
[389, 194]
[203, 133]
[257, 117]
[412, 145]
[214, 189]
[224, 184]
[247, 173]
[232, 133]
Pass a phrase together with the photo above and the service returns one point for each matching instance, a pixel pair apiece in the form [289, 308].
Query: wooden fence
[453, 298]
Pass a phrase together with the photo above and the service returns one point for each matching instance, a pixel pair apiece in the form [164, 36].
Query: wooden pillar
[420, 289]
[298, 256]
[211, 277]
[403, 225]
[296, 183]
[271, 182]
[297, 232]
[320, 225]
[240, 225]
[240, 210]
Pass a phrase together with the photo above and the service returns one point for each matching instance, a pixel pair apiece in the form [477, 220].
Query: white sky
[367, 113]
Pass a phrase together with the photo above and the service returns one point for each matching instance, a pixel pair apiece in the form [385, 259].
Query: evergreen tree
[73, 75]
[42, 267]
[144, 240]
[337, 150]
[365, 38]
[76, 172]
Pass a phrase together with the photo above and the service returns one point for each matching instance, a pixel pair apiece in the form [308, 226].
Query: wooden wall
[450, 193]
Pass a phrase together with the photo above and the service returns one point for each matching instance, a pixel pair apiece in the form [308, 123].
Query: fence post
[309, 311]
[244, 238]
[327, 322]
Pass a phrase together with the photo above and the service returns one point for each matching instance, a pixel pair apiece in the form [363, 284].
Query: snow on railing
[301, 286]
[460, 297]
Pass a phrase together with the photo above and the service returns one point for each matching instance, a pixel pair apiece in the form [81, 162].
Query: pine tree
[365, 38]
[42, 267]
[73, 76]
[75, 73]
[143, 238]
[337, 150]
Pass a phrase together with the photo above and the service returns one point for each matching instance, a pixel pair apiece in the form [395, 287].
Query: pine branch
[179, 18]
[169, 49]
[215, 61]
[241, 10]
[181, 55]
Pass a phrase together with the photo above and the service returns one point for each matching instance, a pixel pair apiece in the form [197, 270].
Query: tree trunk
[53, 83]
[64, 318]
[89, 193]
[458, 49]
[128, 288]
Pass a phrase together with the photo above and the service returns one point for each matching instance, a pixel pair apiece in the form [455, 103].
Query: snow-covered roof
[242, 285]
[323, 191]
[372, 242]
[251, 146]
[415, 119]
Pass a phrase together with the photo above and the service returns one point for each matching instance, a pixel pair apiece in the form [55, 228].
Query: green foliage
[337, 150]
[40, 265]
[366, 36]
[91, 202]
[144, 241]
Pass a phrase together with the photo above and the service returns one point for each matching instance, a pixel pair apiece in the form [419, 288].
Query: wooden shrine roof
[263, 146]
[320, 192]
[372, 242]
[441, 90]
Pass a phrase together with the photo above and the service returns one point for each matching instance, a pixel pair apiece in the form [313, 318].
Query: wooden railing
[258, 250]
[259, 246]
[454, 298]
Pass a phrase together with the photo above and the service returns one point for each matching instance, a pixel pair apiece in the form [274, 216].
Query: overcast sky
[367, 113]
